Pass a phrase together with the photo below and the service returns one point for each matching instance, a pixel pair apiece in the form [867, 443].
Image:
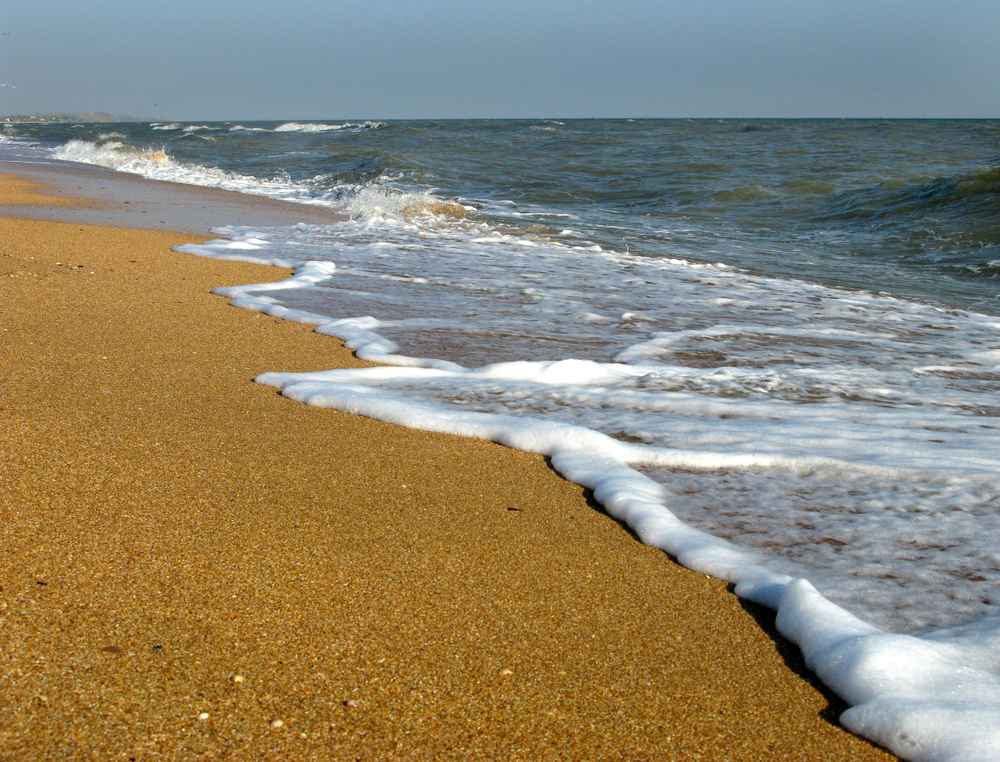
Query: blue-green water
[911, 207]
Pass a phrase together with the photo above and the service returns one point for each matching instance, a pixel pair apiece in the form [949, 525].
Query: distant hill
[76, 116]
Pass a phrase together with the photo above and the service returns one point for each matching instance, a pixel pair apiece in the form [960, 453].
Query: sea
[771, 347]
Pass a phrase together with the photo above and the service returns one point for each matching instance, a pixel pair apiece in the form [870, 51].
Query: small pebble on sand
[506, 672]
[352, 704]
[238, 678]
[277, 723]
[203, 716]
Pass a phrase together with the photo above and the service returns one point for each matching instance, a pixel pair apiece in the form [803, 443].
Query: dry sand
[167, 525]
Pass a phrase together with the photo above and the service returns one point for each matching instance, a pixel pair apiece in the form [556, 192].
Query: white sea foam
[377, 199]
[320, 127]
[761, 431]
[111, 152]
[14, 142]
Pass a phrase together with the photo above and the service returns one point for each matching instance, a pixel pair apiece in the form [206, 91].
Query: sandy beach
[193, 567]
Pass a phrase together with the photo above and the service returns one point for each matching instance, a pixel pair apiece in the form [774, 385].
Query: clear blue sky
[281, 59]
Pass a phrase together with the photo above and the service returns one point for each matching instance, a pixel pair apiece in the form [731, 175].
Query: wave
[303, 127]
[8, 139]
[114, 152]
[887, 200]
[744, 193]
[177, 126]
[111, 150]
[362, 193]
[320, 127]
[379, 201]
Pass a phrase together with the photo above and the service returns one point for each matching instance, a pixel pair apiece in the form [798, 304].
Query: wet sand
[100, 196]
[193, 567]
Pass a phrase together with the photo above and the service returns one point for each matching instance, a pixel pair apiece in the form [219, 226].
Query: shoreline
[95, 195]
[384, 593]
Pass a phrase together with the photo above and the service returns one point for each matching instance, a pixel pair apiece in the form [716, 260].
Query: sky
[388, 59]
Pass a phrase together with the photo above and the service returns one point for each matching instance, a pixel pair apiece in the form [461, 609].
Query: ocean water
[771, 346]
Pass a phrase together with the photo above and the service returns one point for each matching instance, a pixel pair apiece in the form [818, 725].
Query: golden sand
[19, 190]
[193, 567]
